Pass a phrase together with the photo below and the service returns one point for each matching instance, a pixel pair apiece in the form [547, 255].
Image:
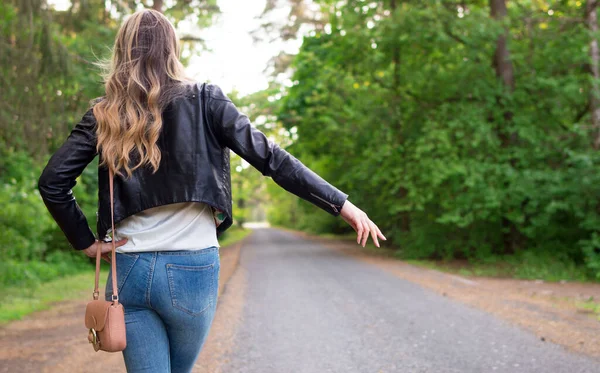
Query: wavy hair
[141, 78]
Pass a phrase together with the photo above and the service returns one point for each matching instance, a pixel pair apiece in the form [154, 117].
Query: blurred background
[469, 131]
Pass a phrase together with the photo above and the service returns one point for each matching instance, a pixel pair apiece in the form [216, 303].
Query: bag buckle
[93, 338]
[115, 298]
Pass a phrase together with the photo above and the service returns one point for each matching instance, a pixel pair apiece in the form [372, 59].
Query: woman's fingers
[362, 225]
[107, 246]
[359, 231]
[366, 233]
[117, 244]
[105, 249]
[374, 233]
[121, 242]
[366, 228]
[381, 234]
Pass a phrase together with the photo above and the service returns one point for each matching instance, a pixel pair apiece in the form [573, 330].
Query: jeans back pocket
[192, 287]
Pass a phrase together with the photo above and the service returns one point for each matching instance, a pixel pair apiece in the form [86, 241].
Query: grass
[27, 297]
[465, 268]
[20, 301]
[233, 235]
[590, 306]
[526, 265]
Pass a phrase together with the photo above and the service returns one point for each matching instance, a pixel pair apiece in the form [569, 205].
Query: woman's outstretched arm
[235, 131]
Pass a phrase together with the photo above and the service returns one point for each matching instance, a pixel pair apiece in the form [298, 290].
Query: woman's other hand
[105, 249]
[361, 224]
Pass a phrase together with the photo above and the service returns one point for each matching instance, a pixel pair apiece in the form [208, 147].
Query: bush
[31, 273]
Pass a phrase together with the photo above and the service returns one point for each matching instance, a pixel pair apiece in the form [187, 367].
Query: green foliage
[23, 222]
[31, 273]
[24, 219]
[32, 247]
[403, 110]
[592, 254]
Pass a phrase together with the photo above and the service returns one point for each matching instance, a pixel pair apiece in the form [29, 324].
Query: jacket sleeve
[59, 177]
[237, 133]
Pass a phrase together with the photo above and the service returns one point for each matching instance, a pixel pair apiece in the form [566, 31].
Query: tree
[591, 18]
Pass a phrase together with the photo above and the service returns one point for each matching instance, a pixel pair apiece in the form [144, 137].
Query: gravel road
[310, 309]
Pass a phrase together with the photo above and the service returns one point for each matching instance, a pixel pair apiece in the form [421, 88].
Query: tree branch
[452, 35]
[191, 38]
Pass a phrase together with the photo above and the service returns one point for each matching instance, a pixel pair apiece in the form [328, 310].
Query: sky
[233, 60]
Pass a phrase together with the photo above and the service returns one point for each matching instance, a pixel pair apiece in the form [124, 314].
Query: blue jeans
[170, 298]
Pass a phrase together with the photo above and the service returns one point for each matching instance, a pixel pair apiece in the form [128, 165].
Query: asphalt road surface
[310, 309]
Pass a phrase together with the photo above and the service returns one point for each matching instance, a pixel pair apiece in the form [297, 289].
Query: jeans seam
[121, 278]
[150, 278]
[190, 252]
[125, 275]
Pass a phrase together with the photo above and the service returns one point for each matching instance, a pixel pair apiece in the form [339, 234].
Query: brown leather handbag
[105, 320]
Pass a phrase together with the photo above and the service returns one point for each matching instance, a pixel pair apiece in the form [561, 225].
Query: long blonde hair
[142, 77]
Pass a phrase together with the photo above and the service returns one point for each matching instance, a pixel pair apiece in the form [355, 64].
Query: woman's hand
[361, 224]
[105, 249]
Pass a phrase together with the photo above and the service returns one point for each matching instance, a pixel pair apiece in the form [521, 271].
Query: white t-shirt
[176, 226]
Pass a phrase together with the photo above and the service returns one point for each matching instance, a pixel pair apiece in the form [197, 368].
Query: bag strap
[113, 260]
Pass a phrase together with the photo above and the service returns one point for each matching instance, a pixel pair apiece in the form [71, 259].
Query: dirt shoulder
[550, 310]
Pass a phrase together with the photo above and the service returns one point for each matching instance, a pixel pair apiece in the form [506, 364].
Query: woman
[167, 139]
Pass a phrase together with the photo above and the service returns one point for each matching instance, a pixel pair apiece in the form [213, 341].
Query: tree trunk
[591, 18]
[395, 52]
[504, 71]
[402, 192]
[157, 5]
[502, 62]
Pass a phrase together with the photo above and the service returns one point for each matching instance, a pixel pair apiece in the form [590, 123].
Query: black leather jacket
[199, 129]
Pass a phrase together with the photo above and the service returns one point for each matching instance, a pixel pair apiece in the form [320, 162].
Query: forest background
[469, 131]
